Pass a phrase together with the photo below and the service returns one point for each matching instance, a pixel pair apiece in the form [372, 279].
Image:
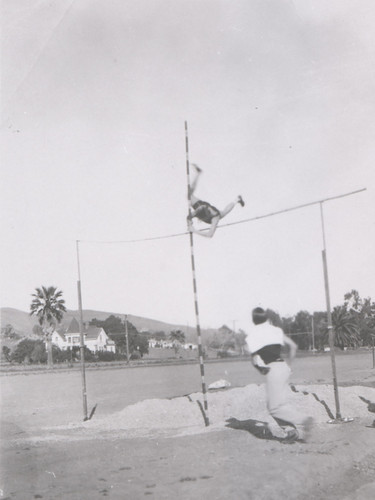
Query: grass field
[141, 443]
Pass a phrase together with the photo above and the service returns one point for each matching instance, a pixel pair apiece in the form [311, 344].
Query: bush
[215, 344]
[29, 351]
[222, 354]
[106, 356]
[75, 354]
[135, 355]
[89, 355]
[6, 352]
[39, 353]
[227, 354]
[60, 356]
[138, 343]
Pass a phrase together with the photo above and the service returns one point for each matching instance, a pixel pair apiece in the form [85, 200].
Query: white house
[168, 344]
[163, 344]
[58, 339]
[95, 338]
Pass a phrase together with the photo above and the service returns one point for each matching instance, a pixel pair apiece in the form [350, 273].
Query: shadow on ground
[257, 428]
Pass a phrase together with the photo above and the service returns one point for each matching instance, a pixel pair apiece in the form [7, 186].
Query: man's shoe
[291, 437]
[307, 426]
[198, 169]
[240, 201]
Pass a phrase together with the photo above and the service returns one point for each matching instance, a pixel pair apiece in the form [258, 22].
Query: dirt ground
[160, 448]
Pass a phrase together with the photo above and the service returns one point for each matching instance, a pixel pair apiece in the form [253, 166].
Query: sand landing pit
[182, 415]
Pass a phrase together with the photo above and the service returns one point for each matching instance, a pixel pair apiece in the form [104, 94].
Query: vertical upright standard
[329, 318]
[127, 338]
[82, 342]
[313, 333]
[200, 349]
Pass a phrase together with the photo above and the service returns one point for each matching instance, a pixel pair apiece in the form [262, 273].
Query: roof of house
[73, 326]
[92, 332]
[60, 334]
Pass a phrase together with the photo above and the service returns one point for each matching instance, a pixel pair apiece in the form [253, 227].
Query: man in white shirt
[266, 343]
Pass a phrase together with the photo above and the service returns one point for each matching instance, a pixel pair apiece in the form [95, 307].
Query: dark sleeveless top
[205, 212]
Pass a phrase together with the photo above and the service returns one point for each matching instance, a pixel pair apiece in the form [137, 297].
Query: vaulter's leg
[231, 206]
[193, 185]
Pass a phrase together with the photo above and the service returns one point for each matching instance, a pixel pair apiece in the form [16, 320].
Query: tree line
[353, 326]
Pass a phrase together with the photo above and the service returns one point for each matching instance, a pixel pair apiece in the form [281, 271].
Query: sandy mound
[349, 398]
[183, 415]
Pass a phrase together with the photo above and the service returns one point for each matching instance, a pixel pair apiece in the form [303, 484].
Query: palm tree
[345, 329]
[363, 312]
[48, 306]
[177, 337]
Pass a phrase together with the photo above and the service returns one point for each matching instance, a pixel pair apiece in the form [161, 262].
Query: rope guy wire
[251, 219]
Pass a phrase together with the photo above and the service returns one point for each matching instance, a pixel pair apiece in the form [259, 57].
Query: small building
[162, 344]
[190, 346]
[95, 338]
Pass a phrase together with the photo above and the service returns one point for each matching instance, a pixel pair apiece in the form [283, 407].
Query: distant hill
[23, 323]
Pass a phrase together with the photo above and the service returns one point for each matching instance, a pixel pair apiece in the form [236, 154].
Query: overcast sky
[279, 98]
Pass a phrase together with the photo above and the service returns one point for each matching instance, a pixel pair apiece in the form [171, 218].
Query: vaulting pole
[200, 349]
[329, 319]
[82, 342]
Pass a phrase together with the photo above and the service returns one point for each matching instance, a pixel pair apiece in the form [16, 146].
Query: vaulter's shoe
[240, 201]
[198, 169]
